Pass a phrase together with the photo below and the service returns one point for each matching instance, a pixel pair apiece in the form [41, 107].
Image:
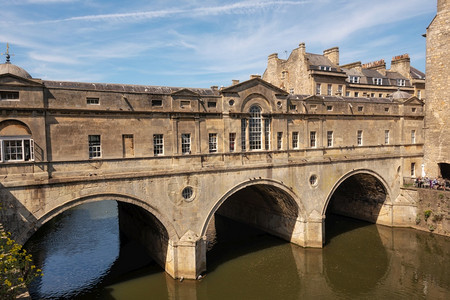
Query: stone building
[322, 74]
[437, 134]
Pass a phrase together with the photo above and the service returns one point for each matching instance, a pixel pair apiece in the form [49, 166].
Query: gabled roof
[12, 79]
[250, 83]
[413, 100]
[185, 93]
[416, 74]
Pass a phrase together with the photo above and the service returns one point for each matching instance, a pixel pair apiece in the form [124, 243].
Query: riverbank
[433, 211]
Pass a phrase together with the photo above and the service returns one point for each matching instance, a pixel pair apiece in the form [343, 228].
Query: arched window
[16, 143]
[255, 128]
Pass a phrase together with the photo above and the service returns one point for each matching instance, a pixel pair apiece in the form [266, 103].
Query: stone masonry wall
[437, 137]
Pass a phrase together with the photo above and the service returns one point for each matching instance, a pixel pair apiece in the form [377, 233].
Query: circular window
[313, 180]
[279, 104]
[231, 102]
[187, 193]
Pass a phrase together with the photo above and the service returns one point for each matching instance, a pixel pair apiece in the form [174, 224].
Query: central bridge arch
[265, 204]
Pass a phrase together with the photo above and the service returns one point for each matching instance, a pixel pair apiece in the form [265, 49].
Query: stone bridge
[168, 203]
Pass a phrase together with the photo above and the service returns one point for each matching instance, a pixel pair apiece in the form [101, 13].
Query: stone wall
[437, 119]
[433, 211]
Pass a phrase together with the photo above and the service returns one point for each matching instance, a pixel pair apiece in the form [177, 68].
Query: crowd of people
[436, 183]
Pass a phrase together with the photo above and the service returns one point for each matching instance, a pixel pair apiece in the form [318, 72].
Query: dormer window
[354, 79]
[5, 95]
[401, 82]
[324, 68]
[377, 81]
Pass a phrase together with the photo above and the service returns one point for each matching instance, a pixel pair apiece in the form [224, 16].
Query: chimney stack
[332, 54]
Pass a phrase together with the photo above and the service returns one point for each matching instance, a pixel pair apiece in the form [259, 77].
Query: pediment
[413, 101]
[314, 98]
[185, 93]
[10, 79]
[252, 83]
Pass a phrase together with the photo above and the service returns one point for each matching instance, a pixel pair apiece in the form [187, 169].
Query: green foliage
[16, 268]
[427, 214]
[431, 227]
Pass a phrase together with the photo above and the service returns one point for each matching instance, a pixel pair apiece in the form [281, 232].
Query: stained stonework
[437, 135]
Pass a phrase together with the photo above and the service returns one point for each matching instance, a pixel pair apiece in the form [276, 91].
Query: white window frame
[186, 143]
[318, 89]
[92, 100]
[377, 81]
[22, 139]
[354, 79]
[401, 82]
[158, 144]
[359, 138]
[330, 138]
[232, 141]
[295, 140]
[95, 147]
[313, 139]
[413, 136]
[212, 142]
[255, 128]
[243, 134]
[386, 137]
[279, 140]
[329, 89]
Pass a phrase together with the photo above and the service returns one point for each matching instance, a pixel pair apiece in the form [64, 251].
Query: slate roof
[416, 74]
[125, 88]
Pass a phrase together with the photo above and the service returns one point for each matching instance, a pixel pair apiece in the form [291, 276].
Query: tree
[16, 267]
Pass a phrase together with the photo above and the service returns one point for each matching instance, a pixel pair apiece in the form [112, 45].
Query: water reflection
[359, 260]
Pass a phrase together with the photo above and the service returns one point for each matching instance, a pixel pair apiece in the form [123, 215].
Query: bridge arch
[34, 226]
[371, 187]
[282, 208]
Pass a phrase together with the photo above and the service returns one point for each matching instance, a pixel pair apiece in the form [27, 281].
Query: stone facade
[437, 150]
[308, 73]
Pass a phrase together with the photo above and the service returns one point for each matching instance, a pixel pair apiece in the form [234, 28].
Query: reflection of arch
[293, 207]
[378, 183]
[258, 99]
[99, 197]
[14, 128]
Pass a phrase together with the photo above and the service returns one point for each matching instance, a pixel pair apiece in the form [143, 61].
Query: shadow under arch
[120, 198]
[14, 127]
[270, 198]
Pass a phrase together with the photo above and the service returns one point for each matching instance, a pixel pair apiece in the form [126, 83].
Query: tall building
[437, 134]
[321, 74]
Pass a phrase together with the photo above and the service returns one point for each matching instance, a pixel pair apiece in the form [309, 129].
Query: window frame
[255, 128]
[359, 138]
[212, 142]
[158, 144]
[232, 141]
[295, 143]
[185, 143]
[330, 138]
[94, 147]
[313, 139]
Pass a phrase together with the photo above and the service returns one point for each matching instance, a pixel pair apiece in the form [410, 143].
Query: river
[83, 257]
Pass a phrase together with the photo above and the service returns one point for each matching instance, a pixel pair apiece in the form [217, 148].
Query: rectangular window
[347, 94]
[418, 94]
[386, 109]
[158, 144]
[329, 107]
[295, 140]
[95, 148]
[186, 143]
[232, 141]
[386, 137]
[339, 90]
[360, 108]
[329, 138]
[356, 94]
[156, 102]
[325, 68]
[413, 169]
[413, 109]
[5, 95]
[17, 150]
[291, 91]
[380, 95]
[372, 95]
[360, 138]
[267, 134]
[293, 107]
[279, 140]
[312, 139]
[212, 104]
[413, 136]
[317, 88]
[401, 82]
[329, 90]
[212, 142]
[92, 101]
[353, 79]
[377, 81]
[243, 133]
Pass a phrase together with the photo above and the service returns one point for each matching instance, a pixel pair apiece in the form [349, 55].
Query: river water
[82, 257]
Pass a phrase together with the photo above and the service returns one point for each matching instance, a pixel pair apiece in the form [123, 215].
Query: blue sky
[191, 43]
